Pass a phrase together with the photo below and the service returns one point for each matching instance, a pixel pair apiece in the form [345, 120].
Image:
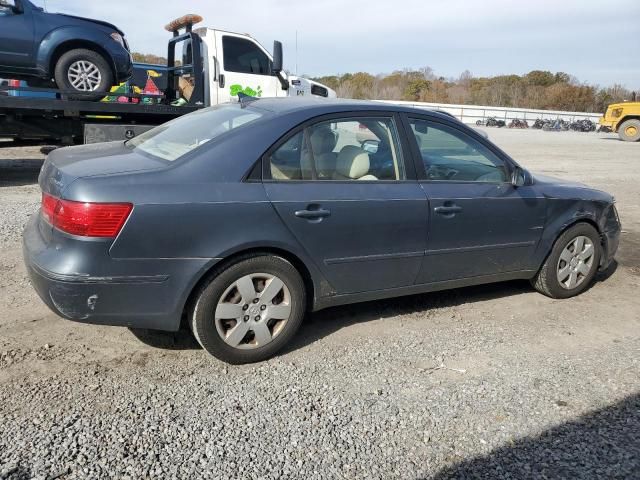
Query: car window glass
[450, 155]
[172, 140]
[350, 149]
[244, 56]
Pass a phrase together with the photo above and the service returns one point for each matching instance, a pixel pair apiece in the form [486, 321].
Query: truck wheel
[84, 71]
[629, 131]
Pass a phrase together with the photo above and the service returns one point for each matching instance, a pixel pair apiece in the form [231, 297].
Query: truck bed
[75, 108]
[60, 120]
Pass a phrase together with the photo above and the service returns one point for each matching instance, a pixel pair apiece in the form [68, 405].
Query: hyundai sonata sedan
[236, 220]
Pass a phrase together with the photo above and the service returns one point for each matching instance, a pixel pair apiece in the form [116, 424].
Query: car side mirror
[422, 127]
[519, 177]
[371, 146]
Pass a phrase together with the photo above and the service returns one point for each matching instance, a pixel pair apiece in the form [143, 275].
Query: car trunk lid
[65, 165]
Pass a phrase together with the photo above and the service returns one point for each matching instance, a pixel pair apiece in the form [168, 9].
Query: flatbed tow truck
[213, 67]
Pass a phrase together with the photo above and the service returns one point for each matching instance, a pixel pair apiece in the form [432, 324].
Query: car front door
[16, 37]
[480, 224]
[364, 226]
[244, 67]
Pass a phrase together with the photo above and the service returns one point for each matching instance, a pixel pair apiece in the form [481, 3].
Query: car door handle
[313, 214]
[449, 210]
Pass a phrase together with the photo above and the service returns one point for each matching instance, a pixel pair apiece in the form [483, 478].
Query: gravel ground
[486, 382]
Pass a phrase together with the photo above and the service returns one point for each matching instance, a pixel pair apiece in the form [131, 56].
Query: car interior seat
[323, 140]
[353, 164]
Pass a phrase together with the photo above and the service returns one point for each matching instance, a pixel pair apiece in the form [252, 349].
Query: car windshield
[173, 140]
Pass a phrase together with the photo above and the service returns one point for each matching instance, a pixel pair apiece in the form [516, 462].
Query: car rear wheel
[249, 310]
[572, 264]
[84, 71]
[629, 131]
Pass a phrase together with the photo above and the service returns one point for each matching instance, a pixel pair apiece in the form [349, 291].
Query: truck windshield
[173, 140]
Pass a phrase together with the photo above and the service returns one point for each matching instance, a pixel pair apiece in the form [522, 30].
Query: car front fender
[562, 213]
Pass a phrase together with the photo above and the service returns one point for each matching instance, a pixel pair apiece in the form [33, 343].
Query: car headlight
[118, 38]
[616, 112]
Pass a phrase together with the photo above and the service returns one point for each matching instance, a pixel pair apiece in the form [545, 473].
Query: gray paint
[381, 239]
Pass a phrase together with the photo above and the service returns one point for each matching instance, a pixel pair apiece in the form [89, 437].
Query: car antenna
[245, 99]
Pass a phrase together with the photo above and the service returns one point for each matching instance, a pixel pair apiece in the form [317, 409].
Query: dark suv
[77, 53]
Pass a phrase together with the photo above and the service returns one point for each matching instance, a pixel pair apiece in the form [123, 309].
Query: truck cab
[236, 63]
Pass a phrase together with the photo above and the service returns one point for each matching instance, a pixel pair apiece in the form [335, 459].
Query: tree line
[537, 89]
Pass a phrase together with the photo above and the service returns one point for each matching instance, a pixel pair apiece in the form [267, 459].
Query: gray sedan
[238, 219]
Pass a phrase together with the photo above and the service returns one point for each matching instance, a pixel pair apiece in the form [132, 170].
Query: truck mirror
[277, 57]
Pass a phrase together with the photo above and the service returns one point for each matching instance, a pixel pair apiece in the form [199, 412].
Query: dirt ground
[536, 365]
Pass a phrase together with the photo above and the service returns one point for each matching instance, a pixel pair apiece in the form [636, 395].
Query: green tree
[416, 89]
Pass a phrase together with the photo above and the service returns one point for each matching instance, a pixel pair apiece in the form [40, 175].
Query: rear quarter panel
[200, 208]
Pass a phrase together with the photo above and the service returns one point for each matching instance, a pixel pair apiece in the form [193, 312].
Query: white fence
[472, 113]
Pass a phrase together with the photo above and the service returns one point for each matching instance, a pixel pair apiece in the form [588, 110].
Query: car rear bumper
[151, 296]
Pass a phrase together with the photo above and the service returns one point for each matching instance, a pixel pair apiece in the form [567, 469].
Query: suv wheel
[83, 71]
[250, 310]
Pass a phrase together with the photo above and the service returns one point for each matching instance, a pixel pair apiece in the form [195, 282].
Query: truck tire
[84, 71]
[629, 131]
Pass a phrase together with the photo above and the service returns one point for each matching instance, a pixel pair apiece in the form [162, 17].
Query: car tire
[248, 292]
[569, 269]
[84, 71]
[629, 131]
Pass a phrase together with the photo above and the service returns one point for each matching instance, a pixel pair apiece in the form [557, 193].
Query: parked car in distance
[79, 54]
[245, 216]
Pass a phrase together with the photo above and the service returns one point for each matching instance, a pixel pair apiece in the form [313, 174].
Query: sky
[597, 41]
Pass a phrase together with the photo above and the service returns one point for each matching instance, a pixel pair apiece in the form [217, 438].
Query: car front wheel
[83, 71]
[572, 264]
[249, 310]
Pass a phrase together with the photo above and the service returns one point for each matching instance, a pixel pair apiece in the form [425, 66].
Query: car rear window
[173, 140]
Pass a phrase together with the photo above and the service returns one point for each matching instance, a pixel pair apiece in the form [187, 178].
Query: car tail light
[14, 83]
[103, 220]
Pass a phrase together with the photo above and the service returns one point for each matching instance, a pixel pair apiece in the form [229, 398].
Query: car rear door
[364, 232]
[480, 223]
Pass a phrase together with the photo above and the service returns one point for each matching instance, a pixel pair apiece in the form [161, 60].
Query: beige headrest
[323, 140]
[353, 162]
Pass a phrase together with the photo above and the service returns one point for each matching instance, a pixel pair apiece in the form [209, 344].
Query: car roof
[319, 106]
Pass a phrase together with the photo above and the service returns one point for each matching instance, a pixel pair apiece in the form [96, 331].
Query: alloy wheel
[84, 76]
